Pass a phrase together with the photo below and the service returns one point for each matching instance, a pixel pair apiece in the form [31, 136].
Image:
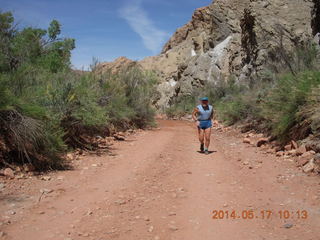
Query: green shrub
[232, 111]
[284, 101]
[240, 107]
[225, 97]
[139, 89]
[309, 116]
[46, 107]
[182, 105]
[287, 98]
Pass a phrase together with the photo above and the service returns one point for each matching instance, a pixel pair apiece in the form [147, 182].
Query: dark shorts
[205, 124]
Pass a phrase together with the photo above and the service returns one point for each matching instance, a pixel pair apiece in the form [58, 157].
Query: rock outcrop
[115, 66]
[230, 38]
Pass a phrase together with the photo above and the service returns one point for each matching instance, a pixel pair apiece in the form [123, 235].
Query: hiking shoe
[202, 147]
[206, 152]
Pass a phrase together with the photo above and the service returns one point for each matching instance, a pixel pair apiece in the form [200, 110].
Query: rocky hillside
[115, 66]
[230, 38]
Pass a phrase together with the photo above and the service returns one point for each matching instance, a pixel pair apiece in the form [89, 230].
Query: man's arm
[212, 114]
[195, 114]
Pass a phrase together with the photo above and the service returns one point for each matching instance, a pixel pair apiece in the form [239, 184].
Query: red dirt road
[158, 187]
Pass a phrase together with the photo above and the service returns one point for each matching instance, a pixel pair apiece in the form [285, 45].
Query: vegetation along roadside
[47, 108]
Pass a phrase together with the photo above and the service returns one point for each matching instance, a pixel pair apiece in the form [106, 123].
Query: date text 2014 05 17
[262, 214]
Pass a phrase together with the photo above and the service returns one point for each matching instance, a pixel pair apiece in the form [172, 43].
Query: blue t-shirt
[204, 115]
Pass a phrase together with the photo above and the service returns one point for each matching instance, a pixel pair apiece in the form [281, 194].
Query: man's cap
[204, 99]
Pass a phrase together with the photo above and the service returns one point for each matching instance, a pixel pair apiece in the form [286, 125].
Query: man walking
[203, 115]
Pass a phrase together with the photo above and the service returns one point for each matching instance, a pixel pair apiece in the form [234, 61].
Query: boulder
[280, 154]
[313, 144]
[8, 172]
[288, 147]
[317, 162]
[70, 156]
[28, 167]
[309, 167]
[292, 152]
[302, 161]
[246, 140]
[301, 150]
[270, 150]
[262, 141]
[119, 137]
[277, 148]
[250, 135]
[306, 155]
[46, 178]
[294, 144]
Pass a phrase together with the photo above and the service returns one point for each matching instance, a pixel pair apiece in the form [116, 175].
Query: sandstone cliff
[115, 66]
[230, 38]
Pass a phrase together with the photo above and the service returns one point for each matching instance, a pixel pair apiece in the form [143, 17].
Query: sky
[107, 29]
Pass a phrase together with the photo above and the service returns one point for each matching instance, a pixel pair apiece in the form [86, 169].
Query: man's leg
[207, 134]
[201, 138]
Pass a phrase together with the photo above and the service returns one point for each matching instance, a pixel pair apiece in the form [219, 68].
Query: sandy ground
[156, 186]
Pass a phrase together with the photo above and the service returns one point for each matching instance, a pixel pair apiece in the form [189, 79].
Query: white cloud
[153, 38]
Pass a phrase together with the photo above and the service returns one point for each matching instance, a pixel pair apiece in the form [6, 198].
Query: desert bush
[28, 141]
[139, 89]
[288, 100]
[308, 118]
[182, 105]
[240, 105]
[220, 95]
[232, 111]
[284, 101]
[46, 107]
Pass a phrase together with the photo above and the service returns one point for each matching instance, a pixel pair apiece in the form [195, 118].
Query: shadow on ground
[210, 152]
